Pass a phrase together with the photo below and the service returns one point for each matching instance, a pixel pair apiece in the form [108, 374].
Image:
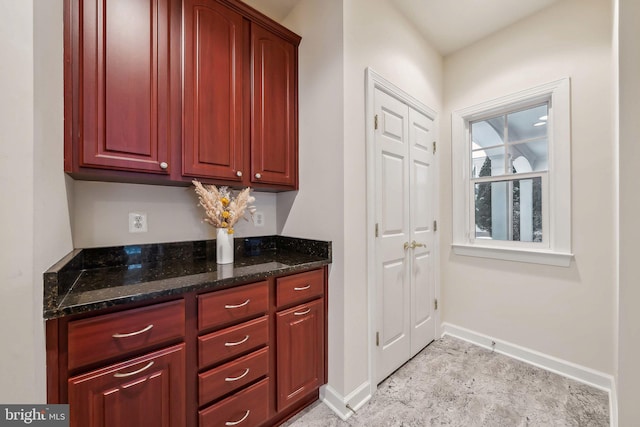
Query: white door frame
[374, 81]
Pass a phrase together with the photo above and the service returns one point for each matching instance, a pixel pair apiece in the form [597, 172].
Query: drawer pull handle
[235, 423]
[128, 374]
[302, 313]
[242, 341]
[304, 288]
[231, 379]
[133, 334]
[239, 305]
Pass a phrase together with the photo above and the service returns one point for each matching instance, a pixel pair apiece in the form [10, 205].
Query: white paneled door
[404, 261]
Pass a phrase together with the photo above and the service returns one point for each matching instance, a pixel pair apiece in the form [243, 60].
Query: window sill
[559, 259]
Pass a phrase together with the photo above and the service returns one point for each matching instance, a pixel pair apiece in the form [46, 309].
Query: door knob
[239, 173]
[164, 165]
[413, 245]
[258, 176]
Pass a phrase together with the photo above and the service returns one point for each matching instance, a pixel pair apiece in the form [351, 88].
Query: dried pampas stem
[222, 210]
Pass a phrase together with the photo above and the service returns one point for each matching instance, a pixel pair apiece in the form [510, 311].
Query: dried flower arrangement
[223, 211]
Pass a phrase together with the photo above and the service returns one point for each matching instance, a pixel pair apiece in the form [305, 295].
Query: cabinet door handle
[128, 374]
[232, 344]
[302, 313]
[164, 165]
[235, 423]
[238, 306]
[304, 288]
[239, 173]
[231, 379]
[133, 334]
[258, 176]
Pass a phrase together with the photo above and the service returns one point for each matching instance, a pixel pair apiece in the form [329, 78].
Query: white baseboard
[338, 404]
[567, 369]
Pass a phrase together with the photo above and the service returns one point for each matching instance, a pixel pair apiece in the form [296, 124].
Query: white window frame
[556, 204]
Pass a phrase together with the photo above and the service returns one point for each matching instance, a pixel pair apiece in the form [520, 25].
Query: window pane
[489, 162]
[529, 156]
[509, 210]
[487, 133]
[527, 124]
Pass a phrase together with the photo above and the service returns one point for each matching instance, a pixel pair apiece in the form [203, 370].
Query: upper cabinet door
[213, 103]
[123, 91]
[274, 138]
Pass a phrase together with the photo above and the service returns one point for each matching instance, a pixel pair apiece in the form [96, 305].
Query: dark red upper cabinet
[118, 84]
[164, 91]
[213, 144]
[274, 126]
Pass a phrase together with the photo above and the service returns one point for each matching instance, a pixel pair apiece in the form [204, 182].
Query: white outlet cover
[258, 219]
[137, 222]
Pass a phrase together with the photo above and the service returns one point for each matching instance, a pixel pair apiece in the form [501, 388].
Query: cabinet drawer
[110, 335]
[221, 345]
[299, 287]
[248, 408]
[231, 305]
[232, 376]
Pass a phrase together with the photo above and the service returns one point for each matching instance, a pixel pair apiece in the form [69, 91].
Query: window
[509, 162]
[511, 169]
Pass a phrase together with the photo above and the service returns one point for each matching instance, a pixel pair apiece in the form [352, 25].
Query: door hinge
[375, 122]
[435, 225]
[377, 339]
[435, 304]
[434, 147]
[376, 229]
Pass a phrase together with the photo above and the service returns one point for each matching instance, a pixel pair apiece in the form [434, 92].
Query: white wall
[376, 35]
[563, 312]
[337, 46]
[316, 210]
[101, 214]
[52, 227]
[35, 230]
[17, 360]
[629, 159]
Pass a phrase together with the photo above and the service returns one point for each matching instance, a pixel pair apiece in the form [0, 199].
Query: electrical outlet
[258, 219]
[137, 222]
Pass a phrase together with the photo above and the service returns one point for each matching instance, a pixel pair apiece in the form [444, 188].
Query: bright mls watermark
[36, 415]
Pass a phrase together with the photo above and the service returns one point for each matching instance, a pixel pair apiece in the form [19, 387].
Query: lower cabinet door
[247, 408]
[148, 391]
[300, 354]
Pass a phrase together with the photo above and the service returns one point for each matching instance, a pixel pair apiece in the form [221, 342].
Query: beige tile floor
[455, 383]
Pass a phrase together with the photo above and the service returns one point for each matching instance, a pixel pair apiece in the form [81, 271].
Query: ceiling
[448, 25]
[275, 9]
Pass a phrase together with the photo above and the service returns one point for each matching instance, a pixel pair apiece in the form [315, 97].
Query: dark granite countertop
[96, 278]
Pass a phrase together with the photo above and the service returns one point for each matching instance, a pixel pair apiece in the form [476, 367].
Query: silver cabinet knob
[239, 173]
[258, 176]
[164, 165]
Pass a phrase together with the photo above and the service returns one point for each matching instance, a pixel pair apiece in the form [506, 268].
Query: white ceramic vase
[224, 246]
